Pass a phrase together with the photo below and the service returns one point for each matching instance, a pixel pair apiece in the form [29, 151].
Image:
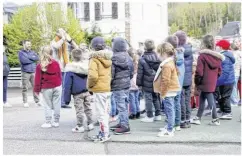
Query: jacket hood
[121, 60]
[151, 58]
[77, 67]
[119, 45]
[104, 56]
[229, 55]
[213, 59]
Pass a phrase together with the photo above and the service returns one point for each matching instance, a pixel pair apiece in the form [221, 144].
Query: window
[86, 11]
[97, 11]
[115, 10]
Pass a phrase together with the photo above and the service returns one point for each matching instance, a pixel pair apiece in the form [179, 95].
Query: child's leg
[113, 106]
[132, 102]
[169, 110]
[102, 101]
[183, 106]
[78, 103]
[197, 101]
[56, 101]
[210, 98]
[87, 107]
[157, 105]
[239, 88]
[137, 102]
[148, 104]
[192, 102]
[47, 95]
[187, 103]
[201, 105]
[177, 108]
[226, 92]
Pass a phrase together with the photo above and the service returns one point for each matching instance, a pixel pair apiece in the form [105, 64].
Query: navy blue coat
[122, 66]
[188, 61]
[75, 81]
[147, 67]
[227, 77]
[28, 61]
[6, 68]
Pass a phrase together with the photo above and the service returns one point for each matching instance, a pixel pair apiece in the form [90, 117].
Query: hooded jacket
[180, 65]
[122, 66]
[99, 71]
[28, 61]
[228, 75]
[75, 81]
[147, 67]
[208, 70]
[48, 79]
[188, 58]
[6, 68]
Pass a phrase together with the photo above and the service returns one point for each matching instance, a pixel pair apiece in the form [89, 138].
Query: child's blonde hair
[45, 57]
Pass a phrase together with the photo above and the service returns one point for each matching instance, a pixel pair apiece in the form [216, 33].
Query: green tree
[25, 25]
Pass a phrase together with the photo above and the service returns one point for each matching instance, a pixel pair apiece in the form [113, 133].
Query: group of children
[118, 76]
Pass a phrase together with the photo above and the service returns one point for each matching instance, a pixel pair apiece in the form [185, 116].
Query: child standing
[99, 80]
[75, 84]
[207, 72]
[166, 83]
[48, 82]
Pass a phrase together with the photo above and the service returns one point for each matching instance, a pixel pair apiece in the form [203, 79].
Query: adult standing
[187, 83]
[61, 46]
[28, 59]
[6, 70]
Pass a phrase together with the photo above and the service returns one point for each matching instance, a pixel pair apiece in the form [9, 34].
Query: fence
[15, 77]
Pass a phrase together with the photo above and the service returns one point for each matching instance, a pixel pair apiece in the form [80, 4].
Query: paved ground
[23, 135]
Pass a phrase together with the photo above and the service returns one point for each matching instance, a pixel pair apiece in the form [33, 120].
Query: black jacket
[147, 67]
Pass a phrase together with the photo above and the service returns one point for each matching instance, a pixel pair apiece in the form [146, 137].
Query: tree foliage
[198, 19]
[25, 24]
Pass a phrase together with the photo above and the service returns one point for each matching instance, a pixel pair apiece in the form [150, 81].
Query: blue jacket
[75, 80]
[227, 77]
[28, 61]
[188, 57]
[180, 65]
[122, 66]
[6, 68]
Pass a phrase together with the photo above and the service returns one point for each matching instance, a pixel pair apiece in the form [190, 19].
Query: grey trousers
[26, 78]
[152, 99]
[52, 103]
[82, 103]
[185, 104]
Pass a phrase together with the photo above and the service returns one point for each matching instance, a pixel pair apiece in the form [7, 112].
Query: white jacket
[237, 66]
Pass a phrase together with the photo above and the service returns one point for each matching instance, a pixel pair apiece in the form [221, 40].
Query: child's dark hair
[208, 42]
[77, 54]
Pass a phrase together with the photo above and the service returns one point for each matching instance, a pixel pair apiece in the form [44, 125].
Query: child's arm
[199, 71]
[67, 87]
[140, 74]
[37, 80]
[24, 59]
[92, 74]
[165, 80]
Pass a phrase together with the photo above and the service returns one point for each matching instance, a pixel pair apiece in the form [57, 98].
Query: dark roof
[230, 29]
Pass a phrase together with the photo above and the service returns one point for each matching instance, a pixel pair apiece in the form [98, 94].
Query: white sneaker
[46, 125]
[55, 124]
[78, 130]
[38, 104]
[177, 128]
[164, 128]
[7, 105]
[165, 133]
[195, 121]
[157, 118]
[26, 105]
[215, 122]
[147, 119]
[90, 127]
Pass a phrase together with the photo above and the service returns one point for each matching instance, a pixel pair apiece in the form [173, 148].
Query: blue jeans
[134, 101]
[122, 101]
[234, 96]
[113, 111]
[5, 88]
[62, 95]
[170, 112]
[177, 108]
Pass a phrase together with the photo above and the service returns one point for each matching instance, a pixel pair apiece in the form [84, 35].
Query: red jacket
[208, 70]
[49, 79]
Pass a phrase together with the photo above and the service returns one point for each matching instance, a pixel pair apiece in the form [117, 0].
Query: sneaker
[226, 116]
[46, 125]
[147, 119]
[215, 122]
[166, 133]
[132, 117]
[55, 124]
[122, 130]
[90, 127]
[115, 127]
[137, 115]
[157, 118]
[78, 129]
[183, 125]
[38, 104]
[196, 121]
[66, 106]
[188, 124]
[7, 105]
[100, 137]
[177, 128]
[26, 105]
[164, 128]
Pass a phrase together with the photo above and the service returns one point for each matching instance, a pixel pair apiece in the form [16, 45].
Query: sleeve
[24, 59]
[165, 79]
[131, 69]
[67, 87]
[37, 79]
[34, 57]
[199, 71]
[140, 74]
[92, 74]
[113, 72]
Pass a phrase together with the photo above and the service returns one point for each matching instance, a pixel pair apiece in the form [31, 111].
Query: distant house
[9, 9]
